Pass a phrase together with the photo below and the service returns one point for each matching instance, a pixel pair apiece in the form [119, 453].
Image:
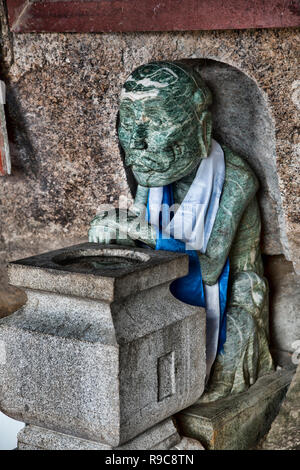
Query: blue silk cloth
[189, 289]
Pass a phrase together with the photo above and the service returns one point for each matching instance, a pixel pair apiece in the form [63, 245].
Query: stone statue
[165, 130]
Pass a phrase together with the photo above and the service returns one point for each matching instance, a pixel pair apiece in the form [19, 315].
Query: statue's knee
[249, 290]
[240, 324]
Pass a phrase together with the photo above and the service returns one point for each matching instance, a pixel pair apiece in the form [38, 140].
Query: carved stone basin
[90, 261]
[101, 351]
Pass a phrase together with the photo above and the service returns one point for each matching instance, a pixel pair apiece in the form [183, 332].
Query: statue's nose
[139, 138]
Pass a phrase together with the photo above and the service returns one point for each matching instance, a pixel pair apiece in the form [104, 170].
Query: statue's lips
[154, 178]
[143, 170]
[144, 162]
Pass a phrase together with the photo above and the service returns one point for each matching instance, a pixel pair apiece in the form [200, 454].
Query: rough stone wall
[284, 308]
[62, 102]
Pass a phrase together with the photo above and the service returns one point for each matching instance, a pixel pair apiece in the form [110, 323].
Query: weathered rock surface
[285, 430]
[284, 307]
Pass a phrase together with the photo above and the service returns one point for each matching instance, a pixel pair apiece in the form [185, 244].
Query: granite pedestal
[101, 352]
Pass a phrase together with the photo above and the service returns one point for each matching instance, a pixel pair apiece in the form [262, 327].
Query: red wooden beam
[15, 8]
[150, 15]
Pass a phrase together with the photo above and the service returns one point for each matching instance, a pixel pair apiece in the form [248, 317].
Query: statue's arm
[123, 227]
[239, 188]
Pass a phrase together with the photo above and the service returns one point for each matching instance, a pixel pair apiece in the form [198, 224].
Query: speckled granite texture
[62, 106]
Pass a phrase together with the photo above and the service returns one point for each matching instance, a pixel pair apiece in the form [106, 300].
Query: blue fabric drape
[189, 289]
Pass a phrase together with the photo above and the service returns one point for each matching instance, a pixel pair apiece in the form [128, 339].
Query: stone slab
[285, 359]
[239, 421]
[163, 436]
[151, 269]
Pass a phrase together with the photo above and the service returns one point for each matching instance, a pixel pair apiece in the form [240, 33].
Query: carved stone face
[163, 128]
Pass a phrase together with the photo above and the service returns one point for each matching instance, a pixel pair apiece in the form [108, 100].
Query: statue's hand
[121, 226]
[209, 269]
[105, 228]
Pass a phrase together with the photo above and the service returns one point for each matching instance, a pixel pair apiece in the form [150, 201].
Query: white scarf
[193, 223]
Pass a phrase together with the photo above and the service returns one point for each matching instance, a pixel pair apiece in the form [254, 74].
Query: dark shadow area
[22, 153]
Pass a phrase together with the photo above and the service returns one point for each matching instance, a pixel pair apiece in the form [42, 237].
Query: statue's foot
[236, 368]
[246, 354]
[220, 390]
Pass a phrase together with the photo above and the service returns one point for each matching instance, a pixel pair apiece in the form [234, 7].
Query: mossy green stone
[165, 132]
[162, 105]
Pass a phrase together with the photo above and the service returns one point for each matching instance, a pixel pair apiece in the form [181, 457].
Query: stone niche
[243, 121]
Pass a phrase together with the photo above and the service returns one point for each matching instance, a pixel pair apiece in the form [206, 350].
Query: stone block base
[238, 421]
[163, 436]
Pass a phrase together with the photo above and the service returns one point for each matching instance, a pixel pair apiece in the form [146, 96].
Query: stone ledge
[239, 421]
[162, 436]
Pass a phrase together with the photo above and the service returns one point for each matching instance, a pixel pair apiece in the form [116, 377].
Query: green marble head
[164, 127]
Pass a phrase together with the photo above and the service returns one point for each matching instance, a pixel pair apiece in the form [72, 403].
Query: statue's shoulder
[237, 169]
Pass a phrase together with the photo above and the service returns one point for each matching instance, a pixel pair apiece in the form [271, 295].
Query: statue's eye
[126, 122]
[128, 160]
[156, 121]
[126, 118]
